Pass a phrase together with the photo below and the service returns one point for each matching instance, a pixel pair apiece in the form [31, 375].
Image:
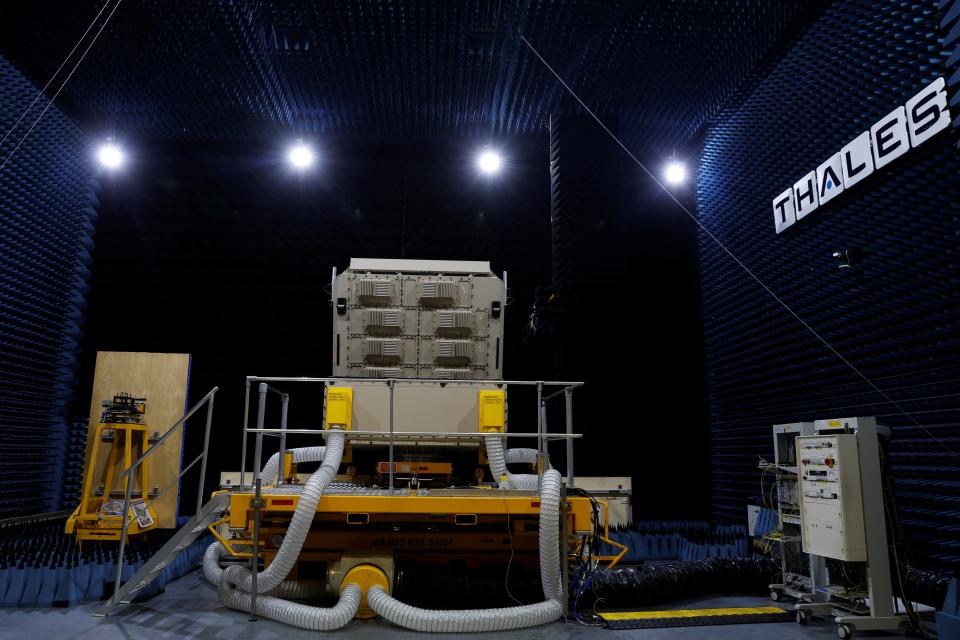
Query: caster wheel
[775, 596]
[844, 631]
[803, 617]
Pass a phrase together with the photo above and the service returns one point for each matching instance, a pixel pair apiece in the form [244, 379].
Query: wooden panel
[161, 378]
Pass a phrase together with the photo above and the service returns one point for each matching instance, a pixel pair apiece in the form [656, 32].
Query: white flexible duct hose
[461, 621]
[299, 526]
[498, 465]
[300, 454]
[292, 613]
[299, 615]
[550, 574]
[289, 589]
[528, 456]
[525, 481]
[503, 619]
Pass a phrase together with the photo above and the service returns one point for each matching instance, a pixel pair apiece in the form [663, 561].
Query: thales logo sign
[924, 115]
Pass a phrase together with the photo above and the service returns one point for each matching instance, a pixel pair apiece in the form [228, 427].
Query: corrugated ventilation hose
[295, 614]
[301, 454]
[289, 589]
[299, 615]
[498, 463]
[300, 524]
[516, 456]
[503, 619]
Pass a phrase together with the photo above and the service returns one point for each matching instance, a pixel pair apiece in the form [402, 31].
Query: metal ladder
[182, 539]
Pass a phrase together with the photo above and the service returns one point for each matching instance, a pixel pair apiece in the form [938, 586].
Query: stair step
[178, 543]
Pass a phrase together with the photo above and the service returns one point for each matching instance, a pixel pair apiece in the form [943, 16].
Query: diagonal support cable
[70, 75]
[55, 73]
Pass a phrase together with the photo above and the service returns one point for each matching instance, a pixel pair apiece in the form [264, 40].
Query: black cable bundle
[928, 587]
[645, 585]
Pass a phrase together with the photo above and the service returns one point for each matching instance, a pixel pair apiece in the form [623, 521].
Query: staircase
[182, 539]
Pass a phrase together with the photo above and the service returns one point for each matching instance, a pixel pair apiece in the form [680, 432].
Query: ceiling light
[110, 155]
[300, 156]
[489, 162]
[675, 173]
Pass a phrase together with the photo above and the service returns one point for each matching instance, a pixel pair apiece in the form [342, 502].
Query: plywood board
[161, 378]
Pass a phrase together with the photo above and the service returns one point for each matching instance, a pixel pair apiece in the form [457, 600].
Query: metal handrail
[128, 473]
[566, 388]
[275, 390]
[437, 381]
[423, 435]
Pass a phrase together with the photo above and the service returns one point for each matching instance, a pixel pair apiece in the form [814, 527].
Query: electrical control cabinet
[831, 502]
[843, 516]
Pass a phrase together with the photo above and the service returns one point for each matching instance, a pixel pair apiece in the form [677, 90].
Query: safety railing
[128, 473]
[264, 388]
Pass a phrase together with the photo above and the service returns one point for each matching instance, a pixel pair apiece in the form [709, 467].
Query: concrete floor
[189, 609]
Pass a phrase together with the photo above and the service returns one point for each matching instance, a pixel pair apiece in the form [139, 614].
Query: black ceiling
[246, 69]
